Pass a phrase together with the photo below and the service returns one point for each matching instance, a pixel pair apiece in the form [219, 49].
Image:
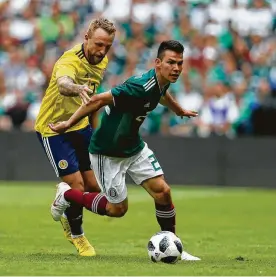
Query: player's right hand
[84, 94]
[59, 127]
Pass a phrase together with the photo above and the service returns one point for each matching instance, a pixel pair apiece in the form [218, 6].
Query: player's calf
[74, 213]
[164, 208]
[163, 195]
[94, 202]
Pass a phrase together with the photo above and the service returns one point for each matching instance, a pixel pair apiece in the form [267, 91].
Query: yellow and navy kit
[56, 107]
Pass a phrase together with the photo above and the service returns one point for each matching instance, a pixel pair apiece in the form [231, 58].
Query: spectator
[225, 41]
[219, 113]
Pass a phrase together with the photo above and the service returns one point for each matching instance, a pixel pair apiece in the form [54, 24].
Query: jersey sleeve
[128, 97]
[67, 66]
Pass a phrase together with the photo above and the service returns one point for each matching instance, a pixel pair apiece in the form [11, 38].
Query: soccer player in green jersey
[116, 147]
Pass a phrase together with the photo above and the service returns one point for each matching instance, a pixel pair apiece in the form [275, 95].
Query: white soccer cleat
[185, 256]
[60, 204]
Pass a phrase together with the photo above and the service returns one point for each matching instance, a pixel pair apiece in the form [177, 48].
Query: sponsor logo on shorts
[112, 193]
[62, 164]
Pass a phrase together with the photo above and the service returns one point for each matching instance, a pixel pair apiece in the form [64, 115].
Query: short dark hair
[172, 45]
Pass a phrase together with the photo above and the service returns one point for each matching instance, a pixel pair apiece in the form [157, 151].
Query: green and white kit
[116, 147]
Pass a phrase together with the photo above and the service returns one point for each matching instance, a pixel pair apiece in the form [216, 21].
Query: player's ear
[86, 36]
[158, 62]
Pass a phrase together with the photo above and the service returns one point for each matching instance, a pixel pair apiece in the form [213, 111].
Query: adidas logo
[147, 105]
[77, 218]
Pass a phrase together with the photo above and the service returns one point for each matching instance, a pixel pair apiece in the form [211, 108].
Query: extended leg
[165, 212]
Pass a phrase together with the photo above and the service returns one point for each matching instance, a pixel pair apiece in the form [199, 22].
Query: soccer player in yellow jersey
[75, 77]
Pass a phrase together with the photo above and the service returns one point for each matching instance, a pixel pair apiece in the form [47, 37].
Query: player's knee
[116, 210]
[164, 195]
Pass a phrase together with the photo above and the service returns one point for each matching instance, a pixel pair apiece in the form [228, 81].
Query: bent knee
[164, 195]
[116, 210]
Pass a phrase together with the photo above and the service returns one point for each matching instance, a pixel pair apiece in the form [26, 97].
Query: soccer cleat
[66, 228]
[83, 246]
[185, 256]
[60, 204]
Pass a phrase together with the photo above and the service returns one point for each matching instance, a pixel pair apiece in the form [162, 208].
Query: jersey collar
[82, 50]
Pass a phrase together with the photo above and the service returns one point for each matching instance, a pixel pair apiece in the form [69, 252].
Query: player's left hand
[60, 127]
[186, 113]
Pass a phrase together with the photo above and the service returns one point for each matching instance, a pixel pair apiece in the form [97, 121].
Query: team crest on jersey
[62, 164]
[112, 193]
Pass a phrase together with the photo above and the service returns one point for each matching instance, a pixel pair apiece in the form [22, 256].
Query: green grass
[215, 224]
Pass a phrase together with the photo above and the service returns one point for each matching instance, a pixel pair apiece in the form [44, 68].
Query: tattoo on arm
[67, 87]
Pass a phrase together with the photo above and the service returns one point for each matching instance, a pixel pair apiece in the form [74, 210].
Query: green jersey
[118, 134]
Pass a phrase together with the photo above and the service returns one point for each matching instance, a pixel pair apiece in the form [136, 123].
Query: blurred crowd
[229, 62]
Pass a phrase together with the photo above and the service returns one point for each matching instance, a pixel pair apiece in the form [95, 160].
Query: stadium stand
[229, 71]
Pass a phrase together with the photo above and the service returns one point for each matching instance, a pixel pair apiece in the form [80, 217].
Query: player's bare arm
[170, 102]
[95, 103]
[68, 88]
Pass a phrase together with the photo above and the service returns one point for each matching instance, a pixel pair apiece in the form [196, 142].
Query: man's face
[98, 45]
[170, 66]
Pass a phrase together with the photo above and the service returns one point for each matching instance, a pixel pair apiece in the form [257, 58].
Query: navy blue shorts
[68, 153]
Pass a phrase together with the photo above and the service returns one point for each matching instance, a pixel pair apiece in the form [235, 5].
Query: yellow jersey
[56, 107]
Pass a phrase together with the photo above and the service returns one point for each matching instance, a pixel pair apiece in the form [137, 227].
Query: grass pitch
[232, 230]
